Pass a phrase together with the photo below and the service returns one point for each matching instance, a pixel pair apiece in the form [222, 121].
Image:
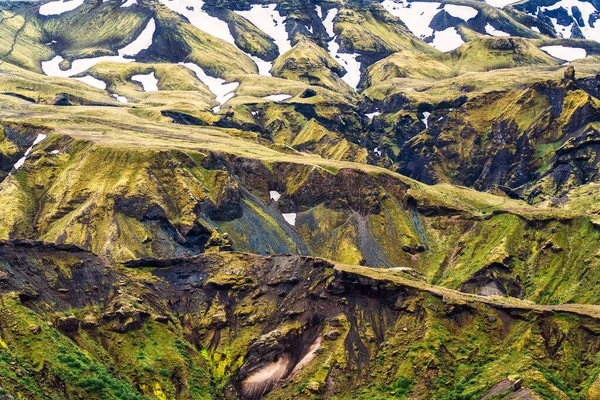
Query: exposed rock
[332, 334]
[67, 324]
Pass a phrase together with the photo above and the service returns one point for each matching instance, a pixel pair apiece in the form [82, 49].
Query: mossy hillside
[506, 19]
[529, 256]
[379, 326]
[29, 354]
[178, 40]
[76, 191]
[248, 37]
[427, 80]
[314, 138]
[479, 55]
[373, 32]
[45, 90]
[139, 161]
[178, 86]
[319, 122]
[22, 40]
[480, 138]
[310, 63]
[495, 53]
[94, 29]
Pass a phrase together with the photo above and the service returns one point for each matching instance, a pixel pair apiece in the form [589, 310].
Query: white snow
[90, 80]
[591, 32]
[328, 21]
[447, 40]
[463, 12]
[21, 161]
[55, 151]
[122, 99]
[274, 195]
[494, 32]
[587, 9]
[377, 152]
[148, 81]
[59, 7]
[290, 218]
[425, 119]
[373, 114]
[221, 89]
[277, 97]
[563, 31]
[264, 67]
[565, 53]
[128, 3]
[500, 3]
[348, 61]
[268, 20]
[192, 10]
[142, 42]
[416, 15]
[535, 29]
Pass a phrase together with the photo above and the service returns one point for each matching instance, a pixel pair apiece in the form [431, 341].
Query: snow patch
[148, 81]
[565, 53]
[192, 10]
[501, 3]
[59, 7]
[142, 42]
[463, 12]
[348, 61]
[128, 3]
[447, 40]
[490, 30]
[586, 9]
[274, 195]
[122, 99]
[425, 119]
[221, 89]
[290, 218]
[268, 20]
[90, 80]
[40, 137]
[373, 114]
[535, 29]
[277, 97]
[416, 15]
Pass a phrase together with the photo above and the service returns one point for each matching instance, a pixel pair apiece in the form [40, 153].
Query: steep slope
[286, 199]
[226, 325]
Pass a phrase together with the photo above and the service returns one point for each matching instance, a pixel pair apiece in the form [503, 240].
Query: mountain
[325, 199]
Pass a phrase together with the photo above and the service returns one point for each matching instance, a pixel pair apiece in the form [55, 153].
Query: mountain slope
[299, 199]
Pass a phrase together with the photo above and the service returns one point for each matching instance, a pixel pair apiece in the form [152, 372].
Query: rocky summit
[299, 199]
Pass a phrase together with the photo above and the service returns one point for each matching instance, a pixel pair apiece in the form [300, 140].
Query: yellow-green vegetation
[310, 63]
[371, 30]
[164, 248]
[21, 41]
[215, 56]
[380, 332]
[95, 30]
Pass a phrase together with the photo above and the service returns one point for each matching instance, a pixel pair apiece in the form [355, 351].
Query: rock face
[344, 319]
[234, 199]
